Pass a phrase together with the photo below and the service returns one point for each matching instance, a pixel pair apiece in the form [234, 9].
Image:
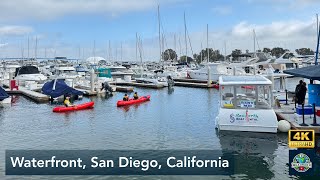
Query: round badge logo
[301, 163]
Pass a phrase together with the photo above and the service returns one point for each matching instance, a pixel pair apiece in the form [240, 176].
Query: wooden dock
[35, 96]
[191, 80]
[133, 83]
[194, 85]
[287, 112]
[124, 89]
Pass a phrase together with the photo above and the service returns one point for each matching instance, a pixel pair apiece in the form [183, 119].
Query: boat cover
[3, 94]
[61, 88]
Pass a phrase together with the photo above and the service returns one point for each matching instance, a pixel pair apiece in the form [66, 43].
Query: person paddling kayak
[135, 95]
[67, 102]
[125, 97]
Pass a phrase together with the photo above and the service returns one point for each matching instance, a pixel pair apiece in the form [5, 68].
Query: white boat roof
[244, 80]
[65, 68]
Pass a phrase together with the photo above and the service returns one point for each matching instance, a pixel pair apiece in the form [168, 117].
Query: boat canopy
[3, 94]
[244, 80]
[58, 88]
[27, 70]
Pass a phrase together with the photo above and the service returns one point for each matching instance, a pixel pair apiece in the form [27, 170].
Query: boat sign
[247, 104]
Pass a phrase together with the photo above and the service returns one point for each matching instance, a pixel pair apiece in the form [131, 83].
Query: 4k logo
[301, 139]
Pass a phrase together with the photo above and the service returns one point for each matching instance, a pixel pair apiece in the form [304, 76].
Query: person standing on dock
[303, 92]
[298, 87]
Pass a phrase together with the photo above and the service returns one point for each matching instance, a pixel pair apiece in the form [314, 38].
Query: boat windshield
[245, 97]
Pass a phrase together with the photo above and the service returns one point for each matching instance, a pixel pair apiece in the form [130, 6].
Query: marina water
[183, 119]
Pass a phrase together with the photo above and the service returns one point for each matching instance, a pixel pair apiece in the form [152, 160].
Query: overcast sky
[62, 27]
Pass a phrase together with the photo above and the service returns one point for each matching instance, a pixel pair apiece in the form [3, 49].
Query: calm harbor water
[183, 119]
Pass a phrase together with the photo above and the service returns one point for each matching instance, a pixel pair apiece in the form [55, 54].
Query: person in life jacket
[135, 95]
[67, 102]
[126, 97]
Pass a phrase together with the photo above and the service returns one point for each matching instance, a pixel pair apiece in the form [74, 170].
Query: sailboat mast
[225, 51]
[121, 51]
[207, 43]
[35, 50]
[159, 33]
[94, 48]
[175, 45]
[136, 47]
[109, 51]
[254, 43]
[201, 54]
[317, 25]
[317, 50]
[79, 55]
[185, 35]
[28, 47]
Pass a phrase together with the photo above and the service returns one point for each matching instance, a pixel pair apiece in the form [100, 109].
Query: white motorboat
[216, 70]
[29, 73]
[64, 71]
[153, 80]
[246, 104]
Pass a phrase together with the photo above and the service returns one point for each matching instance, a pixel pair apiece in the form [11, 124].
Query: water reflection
[254, 152]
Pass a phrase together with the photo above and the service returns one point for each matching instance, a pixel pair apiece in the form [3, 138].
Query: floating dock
[133, 83]
[191, 80]
[124, 89]
[35, 96]
[287, 112]
[195, 83]
[191, 84]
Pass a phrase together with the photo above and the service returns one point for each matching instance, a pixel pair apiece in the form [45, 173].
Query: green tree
[266, 50]
[214, 55]
[169, 54]
[235, 54]
[305, 51]
[183, 59]
[277, 51]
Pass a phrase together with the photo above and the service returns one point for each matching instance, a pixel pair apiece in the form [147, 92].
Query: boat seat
[228, 95]
[229, 106]
[249, 94]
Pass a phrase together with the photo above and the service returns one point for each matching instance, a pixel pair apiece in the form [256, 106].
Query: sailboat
[151, 78]
[147, 78]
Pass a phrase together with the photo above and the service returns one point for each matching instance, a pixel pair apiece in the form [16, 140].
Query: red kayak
[74, 108]
[133, 101]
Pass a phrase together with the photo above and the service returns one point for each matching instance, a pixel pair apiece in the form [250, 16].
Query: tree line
[211, 55]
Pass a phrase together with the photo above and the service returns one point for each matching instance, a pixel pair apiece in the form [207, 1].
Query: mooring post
[314, 116]
[303, 124]
[286, 97]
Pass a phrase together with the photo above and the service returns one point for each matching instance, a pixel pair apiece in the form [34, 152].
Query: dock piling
[314, 116]
[303, 122]
[286, 97]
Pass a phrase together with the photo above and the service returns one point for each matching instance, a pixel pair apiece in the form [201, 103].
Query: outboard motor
[170, 82]
[107, 87]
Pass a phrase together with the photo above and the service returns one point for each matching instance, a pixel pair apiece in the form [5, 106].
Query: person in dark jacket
[302, 93]
[297, 95]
